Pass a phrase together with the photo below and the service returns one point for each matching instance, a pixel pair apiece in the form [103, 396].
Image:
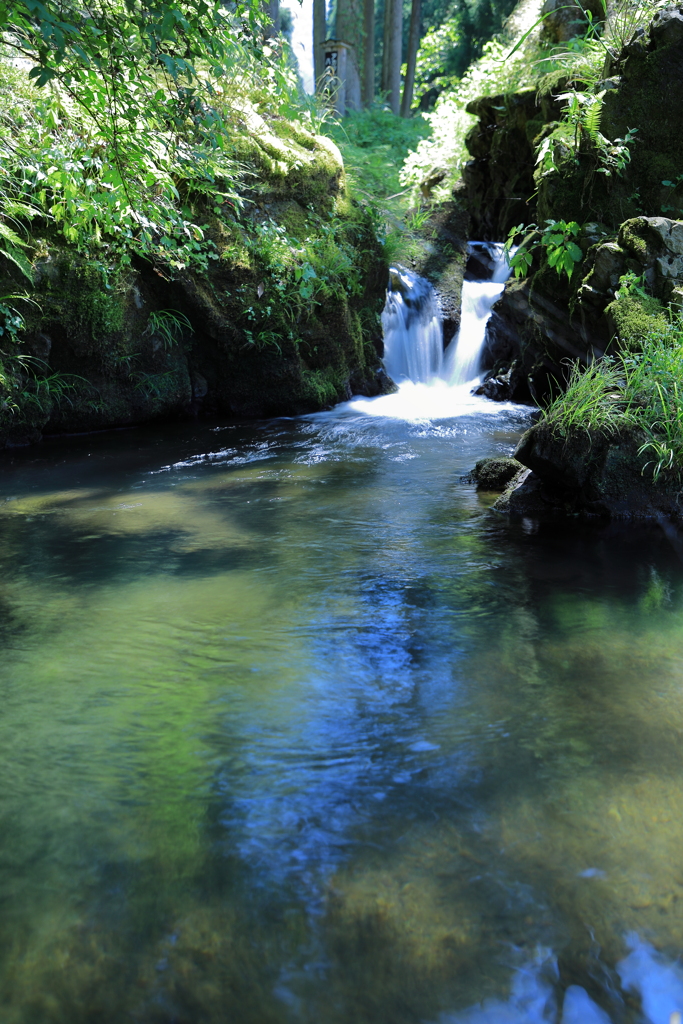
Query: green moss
[633, 318]
[295, 220]
[631, 237]
[89, 301]
[323, 387]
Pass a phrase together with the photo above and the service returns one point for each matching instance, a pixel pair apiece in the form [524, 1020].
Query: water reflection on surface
[295, 729]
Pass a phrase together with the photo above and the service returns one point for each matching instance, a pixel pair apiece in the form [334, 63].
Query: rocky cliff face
[499, 180]
[629, 223]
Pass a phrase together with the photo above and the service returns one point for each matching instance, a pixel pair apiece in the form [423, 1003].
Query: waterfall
[413, 337]
[463, 358]
[433, 384]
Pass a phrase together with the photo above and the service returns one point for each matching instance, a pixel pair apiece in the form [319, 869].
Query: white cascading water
[464, 353]
[433, 384]
[413, 336]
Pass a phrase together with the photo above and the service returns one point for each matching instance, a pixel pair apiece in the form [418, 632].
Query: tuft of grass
[641, 390]
[593, 396]
[169, 326]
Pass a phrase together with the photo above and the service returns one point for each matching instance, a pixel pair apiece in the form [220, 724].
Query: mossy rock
[595, 472]
[495, 473]
[632, 318]
[249, 350]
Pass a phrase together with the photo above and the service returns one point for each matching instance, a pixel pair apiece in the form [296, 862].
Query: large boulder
[591, 472]
[542, 321]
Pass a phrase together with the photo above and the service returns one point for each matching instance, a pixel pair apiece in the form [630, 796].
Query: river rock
[440, 254]
[494, 473]
[588, 472]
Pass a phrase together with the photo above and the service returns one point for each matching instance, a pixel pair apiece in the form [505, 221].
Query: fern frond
[592, 116]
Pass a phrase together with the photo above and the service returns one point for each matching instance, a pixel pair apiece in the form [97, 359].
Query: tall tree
[349, 29]
[272, 11]
[368, 52]
[319, 36]
[392, 53]
[413, 47]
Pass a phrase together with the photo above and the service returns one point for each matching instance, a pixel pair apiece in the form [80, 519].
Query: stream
[296, 730]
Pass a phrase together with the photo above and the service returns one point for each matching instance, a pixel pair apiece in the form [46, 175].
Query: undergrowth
[495, 72]
[641, 391]
[374, 143]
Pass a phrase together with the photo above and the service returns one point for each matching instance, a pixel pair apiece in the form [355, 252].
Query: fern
[592, 115]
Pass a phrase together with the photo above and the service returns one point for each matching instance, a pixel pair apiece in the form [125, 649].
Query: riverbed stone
[494, 473]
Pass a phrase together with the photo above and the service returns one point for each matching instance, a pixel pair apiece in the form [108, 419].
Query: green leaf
[17, 257]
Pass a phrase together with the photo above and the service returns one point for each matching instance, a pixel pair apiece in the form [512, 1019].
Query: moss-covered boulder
[594, 472]
[494, 473]
[280, 314]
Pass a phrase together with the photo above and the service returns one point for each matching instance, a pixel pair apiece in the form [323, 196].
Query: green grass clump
[593, 396]
[640, 392]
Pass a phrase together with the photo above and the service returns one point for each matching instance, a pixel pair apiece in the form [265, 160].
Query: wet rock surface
[591, 473]
[495, 473]
[441, 255]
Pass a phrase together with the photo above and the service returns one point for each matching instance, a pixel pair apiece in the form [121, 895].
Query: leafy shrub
[558, 240]
[496, 71]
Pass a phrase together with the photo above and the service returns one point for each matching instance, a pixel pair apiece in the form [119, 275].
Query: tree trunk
[319, 35]
[350, 31]
[413, 47]
[386, 47]
[395, 54]
[272, 9]
[368, 52]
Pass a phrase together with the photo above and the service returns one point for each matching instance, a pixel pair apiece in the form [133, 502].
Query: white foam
[421, 402]
[659, 984]
[579, 1008]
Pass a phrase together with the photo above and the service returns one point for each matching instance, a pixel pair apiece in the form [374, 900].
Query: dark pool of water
[295, 729]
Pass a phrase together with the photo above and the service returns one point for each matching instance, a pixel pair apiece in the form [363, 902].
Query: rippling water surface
[295, 729]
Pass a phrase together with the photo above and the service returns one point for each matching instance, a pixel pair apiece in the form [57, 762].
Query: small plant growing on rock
[557, 238]
[168, 325]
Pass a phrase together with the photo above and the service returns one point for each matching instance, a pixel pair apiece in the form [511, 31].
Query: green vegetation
[374, 144]
[496, 71]
[161, 177]
[634, 391]
[557, 238]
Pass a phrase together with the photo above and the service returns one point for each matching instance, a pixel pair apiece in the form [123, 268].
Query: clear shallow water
[294, 729]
